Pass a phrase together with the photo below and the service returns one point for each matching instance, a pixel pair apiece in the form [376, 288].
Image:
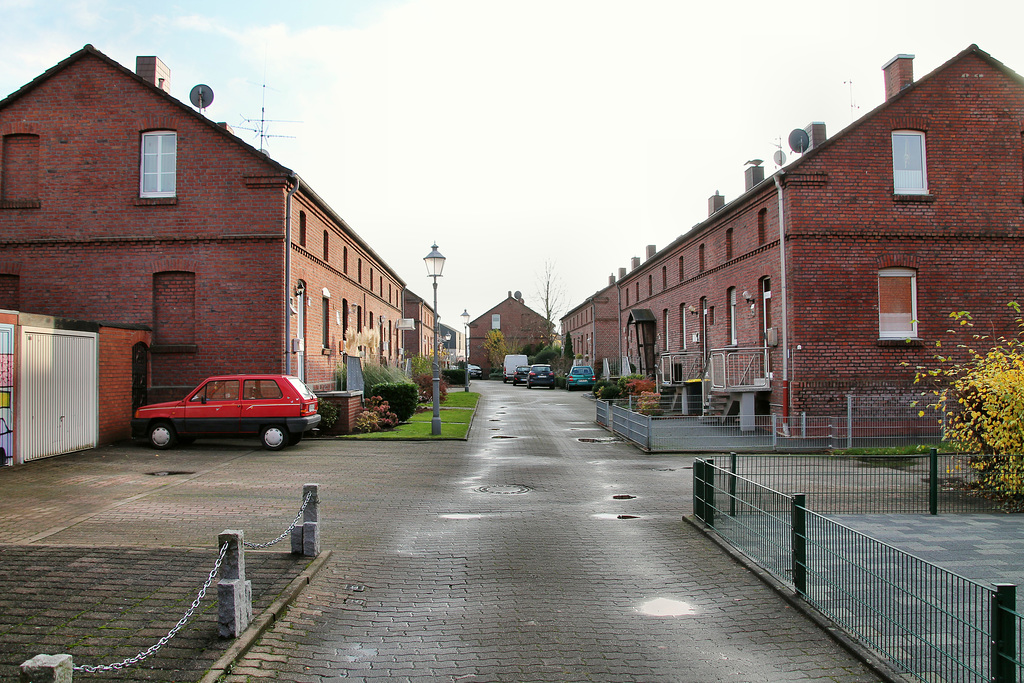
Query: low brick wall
[349, 405]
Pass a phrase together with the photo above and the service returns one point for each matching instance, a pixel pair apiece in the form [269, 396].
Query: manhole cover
[167, 473]
[623, 496]
[599, 439]
[504, 489]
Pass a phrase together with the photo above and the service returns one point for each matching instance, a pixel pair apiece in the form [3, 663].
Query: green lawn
[457, 412]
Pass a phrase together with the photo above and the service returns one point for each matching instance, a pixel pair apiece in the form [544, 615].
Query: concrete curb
[878, 666]
[265, 620]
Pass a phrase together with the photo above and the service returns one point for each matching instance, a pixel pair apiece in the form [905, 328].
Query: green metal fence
[928, 622]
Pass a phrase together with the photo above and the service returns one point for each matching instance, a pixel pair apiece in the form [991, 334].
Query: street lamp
[465, 324]
[435, 264]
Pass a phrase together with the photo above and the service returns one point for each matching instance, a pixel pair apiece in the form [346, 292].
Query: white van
[512, 361]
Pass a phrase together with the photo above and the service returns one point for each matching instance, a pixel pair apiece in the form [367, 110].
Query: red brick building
[418, 341]
[520, 325]
[593, 326]
[838, 274]
[120, 203]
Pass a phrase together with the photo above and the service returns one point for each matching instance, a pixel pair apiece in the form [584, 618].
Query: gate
[58, 393]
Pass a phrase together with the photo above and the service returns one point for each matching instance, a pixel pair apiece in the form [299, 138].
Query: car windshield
[582, 371]
[523, 368]
[303, 390]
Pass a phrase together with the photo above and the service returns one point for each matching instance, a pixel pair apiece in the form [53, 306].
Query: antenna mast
[260, 126]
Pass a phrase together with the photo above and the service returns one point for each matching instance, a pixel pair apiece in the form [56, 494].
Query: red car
[277, 408]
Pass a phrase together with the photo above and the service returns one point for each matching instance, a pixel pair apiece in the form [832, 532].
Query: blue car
[540, 376]
[580, 377]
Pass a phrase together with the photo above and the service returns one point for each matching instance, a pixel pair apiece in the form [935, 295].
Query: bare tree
[551, 293]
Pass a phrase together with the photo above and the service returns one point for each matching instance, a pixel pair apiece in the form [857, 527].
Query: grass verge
[456, 414]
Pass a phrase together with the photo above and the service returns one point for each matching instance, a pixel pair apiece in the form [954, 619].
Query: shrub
[426, 386]
[366, 422]
[328, 414]
[421, 365]
[546, 355]
[610, 391]
[625, 379]
[599, 385]
[649, 403]
[385, 418]
[401, 396]
[454, 377]
[636, 387]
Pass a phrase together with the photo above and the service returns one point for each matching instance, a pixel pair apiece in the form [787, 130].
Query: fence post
[775, 432]
[799, 521]
[306, 536]
[1004, 636]
[709, 492]
[47, 669]
[849, 420]
[933, 481]
[234, 593]
[732, 484]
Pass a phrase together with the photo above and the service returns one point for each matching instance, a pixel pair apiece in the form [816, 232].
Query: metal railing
[739, 369]
[679, 367]
[930, 623]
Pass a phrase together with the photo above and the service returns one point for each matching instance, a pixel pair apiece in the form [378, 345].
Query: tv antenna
[853, 105]
[260, 126]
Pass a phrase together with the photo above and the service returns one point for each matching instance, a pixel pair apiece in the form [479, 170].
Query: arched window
[730, 297]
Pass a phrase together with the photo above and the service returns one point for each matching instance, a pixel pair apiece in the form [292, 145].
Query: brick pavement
[496, 559]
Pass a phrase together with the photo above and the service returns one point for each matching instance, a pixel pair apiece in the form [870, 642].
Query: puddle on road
[461, 515]
[623, 496]
[612, 515]
[666, 607]
[599, 439]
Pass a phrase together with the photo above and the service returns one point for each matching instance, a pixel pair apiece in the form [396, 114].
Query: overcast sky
[514, 133]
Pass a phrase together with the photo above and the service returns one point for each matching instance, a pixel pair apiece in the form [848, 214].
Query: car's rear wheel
[162, 436]
[274, 437]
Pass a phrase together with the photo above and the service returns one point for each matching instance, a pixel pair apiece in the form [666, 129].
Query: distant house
[593, 327]
[120, 203]
[837, 275]
[418, 341]
[520, 325]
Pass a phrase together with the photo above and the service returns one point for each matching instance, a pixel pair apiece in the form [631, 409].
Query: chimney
[753, 174]
[152, 70]
[651, 251]
[510, 294]
[622, 273]
[225, 126]
[899, 74]
[634, 263]
[715, 202]
[815, 134]
[611, 279]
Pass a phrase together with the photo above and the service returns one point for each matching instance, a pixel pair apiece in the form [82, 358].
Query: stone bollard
[47, 669]
[306, 536]
[234, 593]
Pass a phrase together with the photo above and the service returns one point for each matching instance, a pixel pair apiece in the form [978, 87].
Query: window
[682, 326]
[158, 164]
[259, 389]
[664, 329]
[638, 291]
[302, 228]
[327, 246]
[344, 319]
[728, 244]
[766, 306]
[908, 163]
[731, 298]
[897, 303]
[496, 321]
[359, 318]
[218, 390]
[650, 285]
[762, 221]
[359, 271]
[327, 323]
[344, 260]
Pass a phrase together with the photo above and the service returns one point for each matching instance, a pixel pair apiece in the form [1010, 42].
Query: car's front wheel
[274, 437]
[162, 436]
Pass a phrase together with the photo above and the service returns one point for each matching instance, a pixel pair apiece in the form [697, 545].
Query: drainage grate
[599, 439]
[504, 489]
[623, 496]
[628, 517]
[167, 473]
[503, 436]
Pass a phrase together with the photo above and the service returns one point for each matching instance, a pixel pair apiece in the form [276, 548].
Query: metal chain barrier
[295, 522]
[170, 634]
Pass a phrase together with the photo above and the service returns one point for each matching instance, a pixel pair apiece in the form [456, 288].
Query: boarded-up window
[10, 292]
[20, 178]
[897, 303]
[174, 307]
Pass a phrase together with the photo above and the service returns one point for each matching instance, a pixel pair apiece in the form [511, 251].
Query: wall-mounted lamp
[692, 309]
[750, 300]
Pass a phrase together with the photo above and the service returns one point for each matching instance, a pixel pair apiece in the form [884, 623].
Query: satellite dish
[779, 158]
[201, 96]
[799, 141]
[518, 295]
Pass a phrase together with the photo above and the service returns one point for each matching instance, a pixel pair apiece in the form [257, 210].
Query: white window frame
[733, 336]
[900, 334]
[166, 178]
[496, 321]
[896, 183]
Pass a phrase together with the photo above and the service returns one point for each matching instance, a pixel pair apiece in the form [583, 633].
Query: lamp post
[435, 264]
[465, 324]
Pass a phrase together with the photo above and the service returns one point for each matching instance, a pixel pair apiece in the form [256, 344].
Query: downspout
[618, 314]
[785, 304]
[288, 273]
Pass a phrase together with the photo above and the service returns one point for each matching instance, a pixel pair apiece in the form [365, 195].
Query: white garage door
[57, 392]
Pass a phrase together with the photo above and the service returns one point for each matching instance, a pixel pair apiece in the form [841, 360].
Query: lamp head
[435, 262]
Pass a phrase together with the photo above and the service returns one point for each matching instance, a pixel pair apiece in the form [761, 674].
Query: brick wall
[520, 325]
[115, 381]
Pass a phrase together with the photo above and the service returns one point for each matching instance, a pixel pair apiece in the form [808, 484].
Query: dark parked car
[540, 376]
[580, 377]
[277, 408]
[522, 374]
[475, 372]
